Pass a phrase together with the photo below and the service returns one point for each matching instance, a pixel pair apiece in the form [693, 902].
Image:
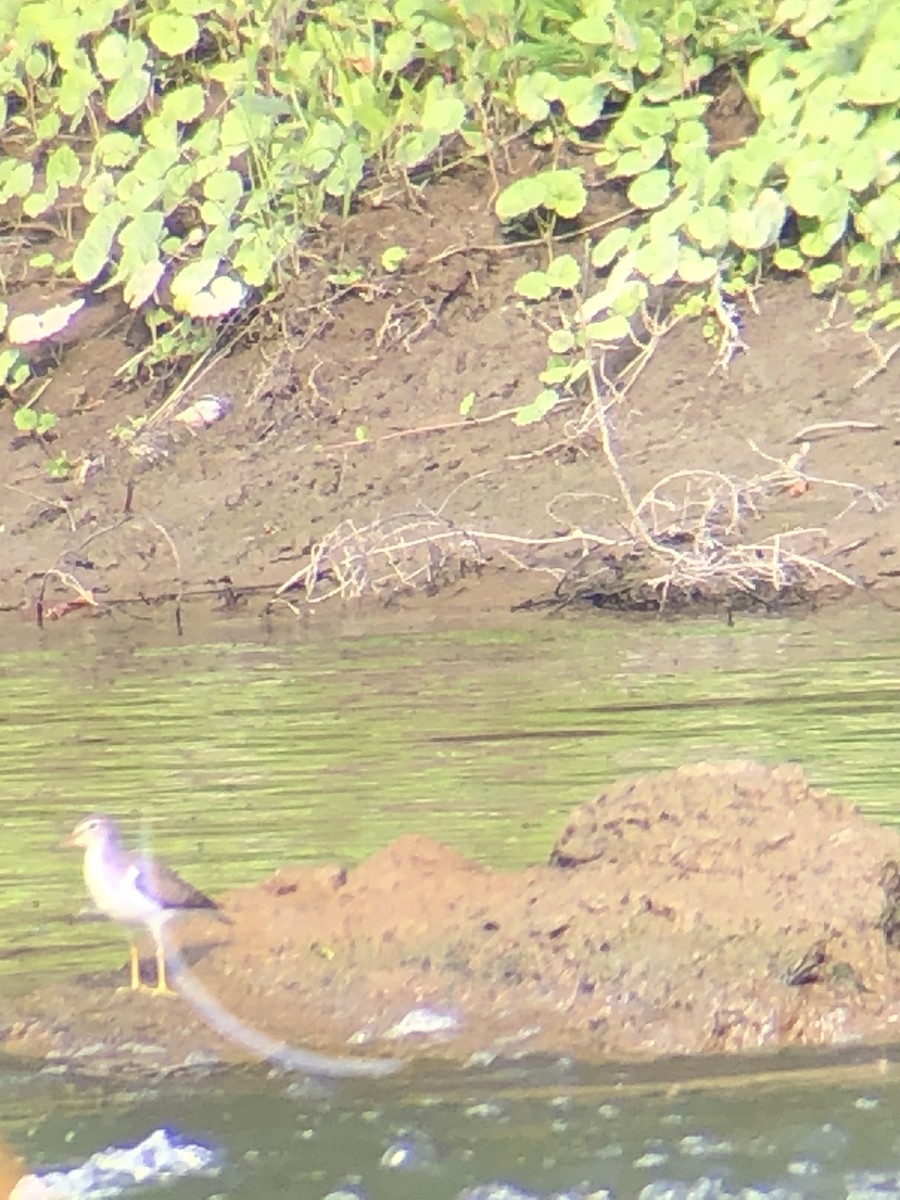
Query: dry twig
[687, 538]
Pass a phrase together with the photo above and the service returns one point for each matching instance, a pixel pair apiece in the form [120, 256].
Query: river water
[240, 747]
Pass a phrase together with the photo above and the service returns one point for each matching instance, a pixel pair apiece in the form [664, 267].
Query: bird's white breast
[113, 885]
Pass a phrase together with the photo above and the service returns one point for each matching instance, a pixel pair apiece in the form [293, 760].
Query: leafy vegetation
[187, 146]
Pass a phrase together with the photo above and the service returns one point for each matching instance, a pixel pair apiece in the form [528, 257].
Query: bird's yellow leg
[162, 980]
[135, 968]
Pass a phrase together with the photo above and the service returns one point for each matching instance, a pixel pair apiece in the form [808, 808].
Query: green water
[239, 749]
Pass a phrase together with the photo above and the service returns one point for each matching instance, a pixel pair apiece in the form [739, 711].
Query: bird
[136, 890]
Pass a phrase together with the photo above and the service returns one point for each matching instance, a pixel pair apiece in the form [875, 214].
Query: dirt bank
[345, 407]
[717, 908]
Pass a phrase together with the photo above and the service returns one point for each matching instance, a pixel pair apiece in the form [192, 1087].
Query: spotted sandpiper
[135, 889]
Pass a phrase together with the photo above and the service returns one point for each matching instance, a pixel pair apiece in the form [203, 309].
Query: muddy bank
[345, 429]
[717, 908]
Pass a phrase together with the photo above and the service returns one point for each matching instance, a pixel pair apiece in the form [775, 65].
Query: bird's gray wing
[166, 887]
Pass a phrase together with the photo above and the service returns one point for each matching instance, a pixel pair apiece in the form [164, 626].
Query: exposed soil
[717, 908]
[233, 510]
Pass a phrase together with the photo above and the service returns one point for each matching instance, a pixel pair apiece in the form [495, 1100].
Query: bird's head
[93, 829]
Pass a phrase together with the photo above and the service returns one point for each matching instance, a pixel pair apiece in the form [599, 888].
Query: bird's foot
[147, 989]
[161, 989]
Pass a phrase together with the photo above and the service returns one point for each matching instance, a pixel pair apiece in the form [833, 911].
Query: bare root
[687, 539]
[400, 554]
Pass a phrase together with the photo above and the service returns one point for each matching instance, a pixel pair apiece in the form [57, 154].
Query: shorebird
[136, 890]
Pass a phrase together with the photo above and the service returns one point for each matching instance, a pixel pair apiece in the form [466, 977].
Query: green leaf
[141, 236]
[111, 56]
[877, 81]
[236, 134]
[696, 268]
[610, 246]
[39, 202]
[560, 191]
[344, 177]
[879, 220]
[225, 189]
[437, 36]
[564, 273]
[651, 119]
[859, 166]
[77, 86]
[788, 258]
[194, 277]
[443, 111]
[864, 258]
[564, 193]
[136, 195]
[809, 198]
[755, 161]
[173, 33]
[780, 101]
[16, 179]
[127, 94]
[63, 167]
[115, 149]
[819, 240]
[534, 93]
[561, 341]
[583, 100]
[399, 50]
[708, 226]
[184, 104]
[100, 192]
[765, 69]
[596, 30]
[539, 407]
[414, 148]
[630, 298]
[887, 314]
[658, 259]
[393, 257]
[610, 330]
[255, 260]
[25, 420]
[93, 251]
[142, 283]
[823, 277]
[804, 15]
[47, 128]
[557, 372]
[651, 190]
[642, 158]
[533, 285]
[36, 63]
[761, 224]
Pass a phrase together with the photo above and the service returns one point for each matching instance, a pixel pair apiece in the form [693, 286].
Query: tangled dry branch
[402, 553]
[688, 538]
